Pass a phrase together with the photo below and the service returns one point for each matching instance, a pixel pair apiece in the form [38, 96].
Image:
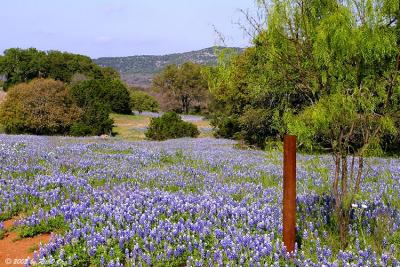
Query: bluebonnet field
[195, 202]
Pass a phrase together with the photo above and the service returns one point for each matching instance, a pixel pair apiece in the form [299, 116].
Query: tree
[184, 84]
[110, 92]
[141, 101]
[42, 106]
[94, 121]
[327, 71]
[356, 55]
[62, 66]
[23, 65]
[239, 90]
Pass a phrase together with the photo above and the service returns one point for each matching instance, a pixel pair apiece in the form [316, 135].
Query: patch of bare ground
[14, 250]
[2, 95]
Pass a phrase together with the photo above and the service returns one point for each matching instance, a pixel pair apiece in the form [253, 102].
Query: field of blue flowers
[187, 202]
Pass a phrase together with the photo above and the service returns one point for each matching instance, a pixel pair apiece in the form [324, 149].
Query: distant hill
[139, 70]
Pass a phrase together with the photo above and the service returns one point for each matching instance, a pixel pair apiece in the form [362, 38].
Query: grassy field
[133, 127]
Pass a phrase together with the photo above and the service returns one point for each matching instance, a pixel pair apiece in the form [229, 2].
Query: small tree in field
[356, 98]
[184, 84]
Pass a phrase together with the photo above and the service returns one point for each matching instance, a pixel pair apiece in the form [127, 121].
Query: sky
[99, 28]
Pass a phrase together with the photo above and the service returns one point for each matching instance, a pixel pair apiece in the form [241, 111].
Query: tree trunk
[183, 103]
[341, 209]
[336, 181]
[344, 177]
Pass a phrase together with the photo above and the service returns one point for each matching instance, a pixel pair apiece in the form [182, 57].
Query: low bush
[170, 125]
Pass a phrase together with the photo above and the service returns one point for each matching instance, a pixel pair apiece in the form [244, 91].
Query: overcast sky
[122, 27]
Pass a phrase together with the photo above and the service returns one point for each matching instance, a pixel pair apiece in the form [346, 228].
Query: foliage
[110, 92]
[117, 95]
[98, 98]
[170, 125]
[290, 67]
[239, 89]
[227, 126]
[255, 124]
[183, 85]
[355, 96]
[42, 106]
[141, 101]
[22, 65]
[95, 120]
[325, 71]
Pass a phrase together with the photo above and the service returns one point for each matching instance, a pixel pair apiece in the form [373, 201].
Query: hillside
[139, 70]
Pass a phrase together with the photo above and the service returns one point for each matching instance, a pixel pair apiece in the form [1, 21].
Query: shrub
[142, 101]
[95, 121]
[170, 125]
[42, 106]
[225, 126]
[255, 124]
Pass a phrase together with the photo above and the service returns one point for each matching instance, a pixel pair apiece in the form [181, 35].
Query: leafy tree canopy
[22, 65]
[110, 92]
[183, 84]
[327, 71]
[141, 101]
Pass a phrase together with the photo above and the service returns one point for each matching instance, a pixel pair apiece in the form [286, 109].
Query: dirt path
[13, 252]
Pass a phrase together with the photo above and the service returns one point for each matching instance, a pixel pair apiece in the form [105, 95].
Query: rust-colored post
[289, 192]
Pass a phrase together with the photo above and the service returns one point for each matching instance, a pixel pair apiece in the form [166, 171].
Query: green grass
[53, 224]
[2, 234]
[132, 127]
[33, 248]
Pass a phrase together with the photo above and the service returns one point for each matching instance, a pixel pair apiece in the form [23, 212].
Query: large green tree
[183, 85]
[22, 65]
[280, 72]
[327, 71]
[110, 92]
[355, 53]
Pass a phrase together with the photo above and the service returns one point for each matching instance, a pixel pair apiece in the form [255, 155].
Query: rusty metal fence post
[289, 192]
